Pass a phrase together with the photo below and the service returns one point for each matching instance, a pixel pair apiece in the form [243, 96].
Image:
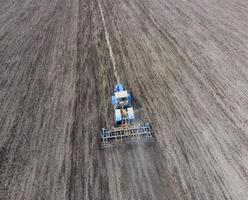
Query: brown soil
[186, 63]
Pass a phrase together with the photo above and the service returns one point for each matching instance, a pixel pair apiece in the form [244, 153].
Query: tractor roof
[122, 94]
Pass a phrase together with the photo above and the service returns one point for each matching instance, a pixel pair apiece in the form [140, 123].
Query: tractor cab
[121, 98]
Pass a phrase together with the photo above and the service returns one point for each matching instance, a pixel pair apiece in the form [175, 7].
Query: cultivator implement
[119, 135]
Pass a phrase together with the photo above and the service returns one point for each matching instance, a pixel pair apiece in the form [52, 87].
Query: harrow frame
[133, 133]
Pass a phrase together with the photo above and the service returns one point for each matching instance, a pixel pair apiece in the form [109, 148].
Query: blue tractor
[121, 101]
[126, 129]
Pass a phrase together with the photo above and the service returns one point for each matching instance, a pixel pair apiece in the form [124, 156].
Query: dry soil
[186, 63]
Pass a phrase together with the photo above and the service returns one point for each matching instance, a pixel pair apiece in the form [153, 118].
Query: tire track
[108, 43]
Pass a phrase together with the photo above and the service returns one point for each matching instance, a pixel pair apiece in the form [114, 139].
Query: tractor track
[111, 55]
[186, 65]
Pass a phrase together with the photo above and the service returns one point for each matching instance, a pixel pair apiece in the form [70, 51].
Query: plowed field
[186, 63]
